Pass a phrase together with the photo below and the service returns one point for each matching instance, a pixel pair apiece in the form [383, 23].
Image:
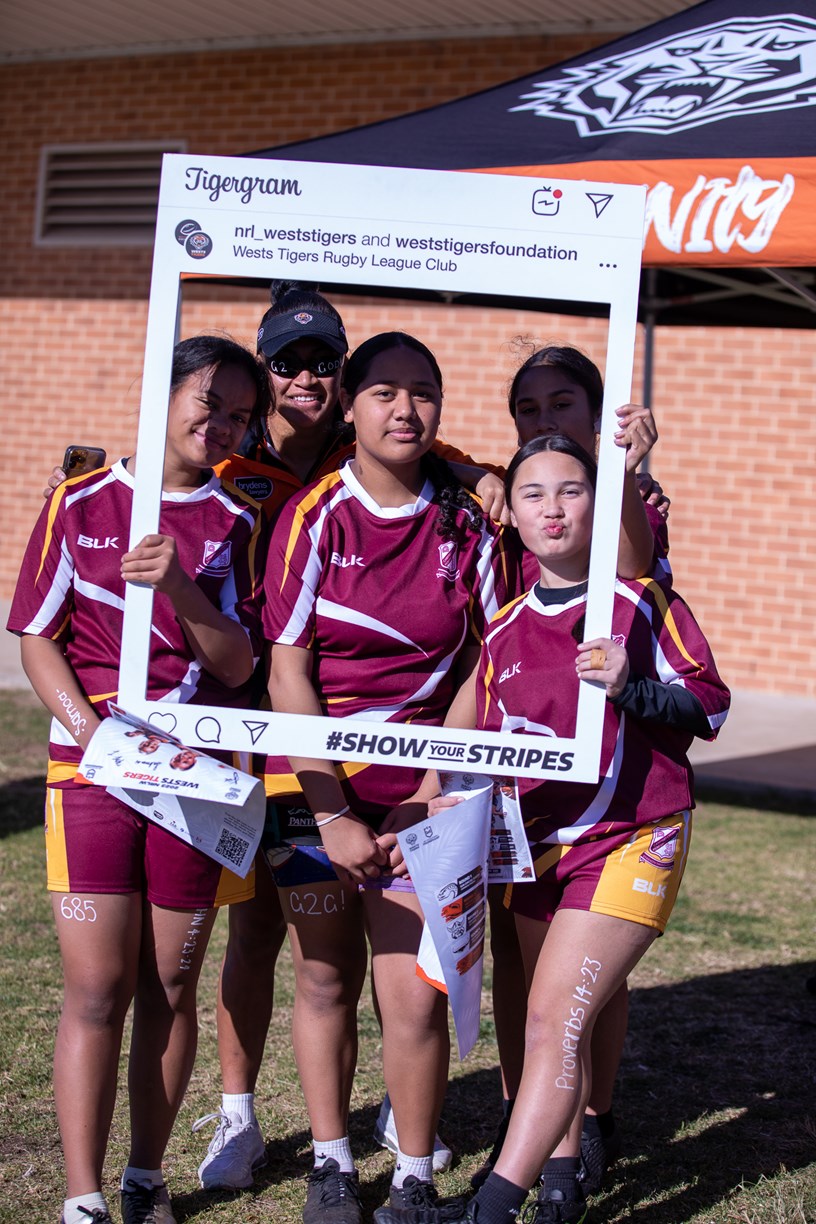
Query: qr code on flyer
[231, 847]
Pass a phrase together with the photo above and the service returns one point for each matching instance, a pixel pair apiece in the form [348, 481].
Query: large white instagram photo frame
[413, 229]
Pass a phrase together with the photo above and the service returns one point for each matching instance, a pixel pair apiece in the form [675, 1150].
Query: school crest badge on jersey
[217, 557]
[663, 847]
[448, 561]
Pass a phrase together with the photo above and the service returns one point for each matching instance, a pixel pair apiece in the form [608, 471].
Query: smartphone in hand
[81, 459]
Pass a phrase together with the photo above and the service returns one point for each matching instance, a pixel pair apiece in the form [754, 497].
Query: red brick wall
[733, 407]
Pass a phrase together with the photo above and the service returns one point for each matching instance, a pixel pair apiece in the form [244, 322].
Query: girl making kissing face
[553, 502]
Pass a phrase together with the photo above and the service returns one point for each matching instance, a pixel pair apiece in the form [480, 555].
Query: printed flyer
[447, 860]
[207, 803]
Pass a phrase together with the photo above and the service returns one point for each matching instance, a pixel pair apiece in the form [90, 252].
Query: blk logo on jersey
[346, 562]
[94, 542]
[513, 670]
[663, 848]
[217, 557]
[448, 561]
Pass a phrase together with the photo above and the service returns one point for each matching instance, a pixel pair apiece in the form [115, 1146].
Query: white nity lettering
[715, 213]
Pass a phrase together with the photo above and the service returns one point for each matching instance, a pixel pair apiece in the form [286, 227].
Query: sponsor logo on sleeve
[257, 487]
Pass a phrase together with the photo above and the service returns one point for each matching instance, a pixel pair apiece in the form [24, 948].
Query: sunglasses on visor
[291, 366]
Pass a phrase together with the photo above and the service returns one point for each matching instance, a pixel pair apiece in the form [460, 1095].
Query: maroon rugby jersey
[527, 682]
[70, 588]
[386, 605]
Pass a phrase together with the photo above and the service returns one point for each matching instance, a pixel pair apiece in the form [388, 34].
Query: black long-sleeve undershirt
[641, 696]
[671, 704]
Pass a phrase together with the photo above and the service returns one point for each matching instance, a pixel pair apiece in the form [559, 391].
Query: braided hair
[449, 495]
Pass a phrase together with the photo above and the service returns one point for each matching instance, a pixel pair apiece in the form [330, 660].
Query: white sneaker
[385, 1133]
[236, 1150]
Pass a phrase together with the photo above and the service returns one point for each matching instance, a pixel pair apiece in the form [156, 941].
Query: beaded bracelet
[336, 816]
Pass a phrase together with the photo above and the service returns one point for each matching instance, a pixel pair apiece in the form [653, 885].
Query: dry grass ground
[716, 1095]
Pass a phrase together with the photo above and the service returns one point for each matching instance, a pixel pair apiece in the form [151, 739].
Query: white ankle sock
[70, 1208]
[240, 1103]
[334, 1149]
[145, 1177]
[420, 1167]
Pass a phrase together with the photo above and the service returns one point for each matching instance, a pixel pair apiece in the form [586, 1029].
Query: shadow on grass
[716, 1089]
[787, 800]
[21, 805]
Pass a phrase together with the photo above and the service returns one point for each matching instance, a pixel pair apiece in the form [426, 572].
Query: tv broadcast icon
[547, 202]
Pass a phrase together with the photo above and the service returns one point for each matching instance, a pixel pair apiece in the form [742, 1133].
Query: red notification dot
[557, 194]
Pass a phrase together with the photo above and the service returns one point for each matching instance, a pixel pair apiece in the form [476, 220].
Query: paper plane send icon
[599, 201]
[255, 729]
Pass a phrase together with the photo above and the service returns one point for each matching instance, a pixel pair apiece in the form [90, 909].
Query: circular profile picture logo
[184, 229]
[198, 245]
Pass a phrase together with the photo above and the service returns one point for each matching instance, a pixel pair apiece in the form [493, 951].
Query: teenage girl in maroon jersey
[609, 855]
[379, 582]
[134, 905]
[558, 389]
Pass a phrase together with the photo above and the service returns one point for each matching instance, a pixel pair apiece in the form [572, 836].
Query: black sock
[599, 1124]
[561, 1173]
[498, 1201]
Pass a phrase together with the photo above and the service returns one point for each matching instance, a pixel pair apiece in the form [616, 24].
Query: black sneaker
[598, 1154]
[449, 1211]
[146, 1204]
[414, 1193]
[332, 1197]
[481, 1175]
[553, 1207]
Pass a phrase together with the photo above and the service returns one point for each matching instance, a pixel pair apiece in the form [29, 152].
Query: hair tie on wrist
[336, 816]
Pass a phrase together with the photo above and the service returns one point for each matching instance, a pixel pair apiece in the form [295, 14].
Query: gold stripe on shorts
[56, 851]
[231, 888]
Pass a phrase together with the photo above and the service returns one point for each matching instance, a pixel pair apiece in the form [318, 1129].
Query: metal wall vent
[99, 195]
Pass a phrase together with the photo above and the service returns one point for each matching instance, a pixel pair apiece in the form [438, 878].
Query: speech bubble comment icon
[209, 730]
